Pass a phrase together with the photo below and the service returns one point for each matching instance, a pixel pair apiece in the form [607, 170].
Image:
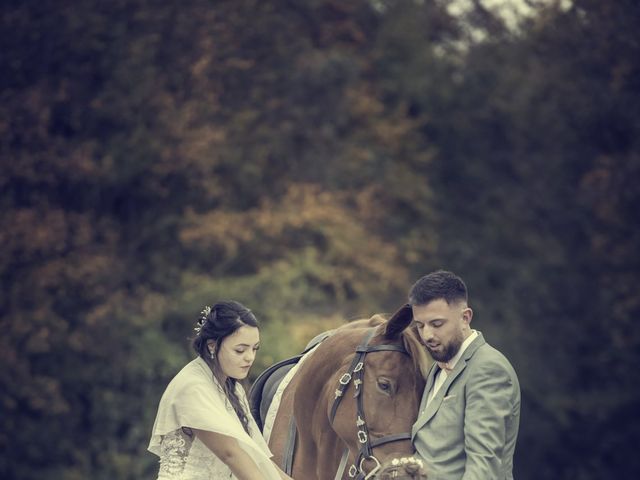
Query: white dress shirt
[441, 376]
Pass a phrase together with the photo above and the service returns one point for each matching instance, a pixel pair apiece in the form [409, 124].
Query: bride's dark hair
[217, 323]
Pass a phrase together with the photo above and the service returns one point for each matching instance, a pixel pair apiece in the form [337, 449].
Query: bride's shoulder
[192, 375]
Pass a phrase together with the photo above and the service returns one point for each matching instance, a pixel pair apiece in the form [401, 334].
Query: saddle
[264, 388]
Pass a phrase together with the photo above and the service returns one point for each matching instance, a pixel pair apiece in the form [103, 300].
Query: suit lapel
[431, 378]
[434, 405]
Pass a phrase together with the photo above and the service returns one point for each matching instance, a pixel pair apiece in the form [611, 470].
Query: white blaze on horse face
[238, 351]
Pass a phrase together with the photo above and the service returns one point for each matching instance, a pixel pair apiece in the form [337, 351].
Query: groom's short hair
[438, 285]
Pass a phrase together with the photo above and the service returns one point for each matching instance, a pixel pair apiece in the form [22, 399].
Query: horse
[352, 401]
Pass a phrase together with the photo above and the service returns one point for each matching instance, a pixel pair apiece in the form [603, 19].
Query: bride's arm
[229, 451]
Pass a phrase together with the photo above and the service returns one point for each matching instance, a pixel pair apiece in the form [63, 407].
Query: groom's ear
[398, 322]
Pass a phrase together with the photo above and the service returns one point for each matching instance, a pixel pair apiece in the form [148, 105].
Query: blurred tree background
[311, 159]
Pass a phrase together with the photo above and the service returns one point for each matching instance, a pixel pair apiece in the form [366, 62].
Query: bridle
[356, 374]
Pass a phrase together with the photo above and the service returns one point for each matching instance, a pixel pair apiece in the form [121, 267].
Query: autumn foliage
[311, 159]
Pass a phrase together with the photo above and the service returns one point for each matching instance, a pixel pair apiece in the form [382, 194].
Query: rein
[356, 374]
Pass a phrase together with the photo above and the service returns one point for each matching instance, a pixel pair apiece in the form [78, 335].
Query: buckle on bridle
[374, 470]
[353, 471]
[362, 436]
[345, 379]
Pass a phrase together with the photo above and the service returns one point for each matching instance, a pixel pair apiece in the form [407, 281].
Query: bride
[203, 430]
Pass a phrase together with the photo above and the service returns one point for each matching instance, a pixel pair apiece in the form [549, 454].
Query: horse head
[356, 398]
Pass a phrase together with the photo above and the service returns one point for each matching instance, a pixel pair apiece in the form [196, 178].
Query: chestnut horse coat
[391, 389]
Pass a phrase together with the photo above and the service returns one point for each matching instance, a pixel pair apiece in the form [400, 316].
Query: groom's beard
[449, 351]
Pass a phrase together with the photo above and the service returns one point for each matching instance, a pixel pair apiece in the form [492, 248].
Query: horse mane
[374, 321]
[414, 346]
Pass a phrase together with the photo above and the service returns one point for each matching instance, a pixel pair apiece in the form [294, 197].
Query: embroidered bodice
[184, 457]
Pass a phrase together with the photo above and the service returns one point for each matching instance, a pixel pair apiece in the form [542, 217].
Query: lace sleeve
[174, 451]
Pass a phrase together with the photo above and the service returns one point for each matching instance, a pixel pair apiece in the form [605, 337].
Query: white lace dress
[194, 400]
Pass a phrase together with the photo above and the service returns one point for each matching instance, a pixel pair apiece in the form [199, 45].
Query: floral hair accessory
[413, 463]
[204, 314]
[409, 461]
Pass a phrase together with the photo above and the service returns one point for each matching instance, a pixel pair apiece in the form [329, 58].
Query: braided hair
[217, 323]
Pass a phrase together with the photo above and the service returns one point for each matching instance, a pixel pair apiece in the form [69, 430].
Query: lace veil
[193, 399]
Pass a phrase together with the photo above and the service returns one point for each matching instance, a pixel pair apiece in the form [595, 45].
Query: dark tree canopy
[311, 159]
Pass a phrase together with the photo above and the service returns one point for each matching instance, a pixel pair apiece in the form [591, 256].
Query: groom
[468, 421]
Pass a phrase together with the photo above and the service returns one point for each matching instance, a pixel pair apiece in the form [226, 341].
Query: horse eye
[384, 386]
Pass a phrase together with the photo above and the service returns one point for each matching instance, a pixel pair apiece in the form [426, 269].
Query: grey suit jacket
[469, 429]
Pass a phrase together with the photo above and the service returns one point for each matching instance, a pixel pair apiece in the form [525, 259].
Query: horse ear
[398, 322]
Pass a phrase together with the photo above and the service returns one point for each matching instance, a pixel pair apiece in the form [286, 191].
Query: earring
[211, 354]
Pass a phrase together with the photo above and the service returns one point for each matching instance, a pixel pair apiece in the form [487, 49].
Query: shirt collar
[451, 364]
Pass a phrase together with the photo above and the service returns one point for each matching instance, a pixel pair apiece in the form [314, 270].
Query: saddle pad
[275, 403]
